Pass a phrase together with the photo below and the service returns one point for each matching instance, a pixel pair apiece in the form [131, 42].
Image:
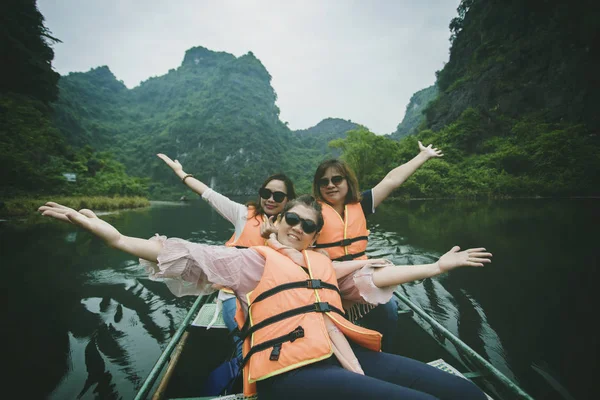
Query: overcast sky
[357, 60]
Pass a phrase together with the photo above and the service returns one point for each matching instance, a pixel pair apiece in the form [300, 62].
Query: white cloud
[358, 60]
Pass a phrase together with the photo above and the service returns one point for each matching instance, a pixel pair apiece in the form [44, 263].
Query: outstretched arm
[86, 219]
[397, 275]
[398, 175]
[191, 182]
[345, 268]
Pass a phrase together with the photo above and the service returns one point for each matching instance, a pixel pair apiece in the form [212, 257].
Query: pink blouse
[194, 269]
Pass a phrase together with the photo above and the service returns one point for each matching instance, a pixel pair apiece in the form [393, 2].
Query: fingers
[54, 207]
[78, 219]
[88, 213]
[455, 249]
[473, 264]
[57, 206]
[479, 260]
[475, 249]
[480, 255]
[57, 215]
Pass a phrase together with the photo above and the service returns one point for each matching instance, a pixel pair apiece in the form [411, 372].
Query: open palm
[466, 258]
[85, 219]
[175, 165]
[430, 150]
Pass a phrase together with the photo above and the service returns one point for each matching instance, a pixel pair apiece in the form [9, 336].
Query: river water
[84, 321]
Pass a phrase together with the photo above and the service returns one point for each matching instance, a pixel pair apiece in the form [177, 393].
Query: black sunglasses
[293, 219]
[266, 194]
[336, 180]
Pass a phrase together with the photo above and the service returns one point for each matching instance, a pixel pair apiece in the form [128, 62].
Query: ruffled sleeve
[196, 269]
[359, 287]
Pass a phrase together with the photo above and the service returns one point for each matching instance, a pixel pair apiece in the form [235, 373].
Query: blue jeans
[229, 307]
[383, 319]
[387, 376]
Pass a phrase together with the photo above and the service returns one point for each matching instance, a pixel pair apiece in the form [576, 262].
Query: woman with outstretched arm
[295, 297]
[251, 221]
[345, 235]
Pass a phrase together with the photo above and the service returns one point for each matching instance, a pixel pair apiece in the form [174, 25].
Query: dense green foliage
[319, 136]
[25, 206]
[34, 154]
[535, 158]
[512, 110]
[515, 112]
[413, 117]
[26, 66]
[521, 57]
[215, 113]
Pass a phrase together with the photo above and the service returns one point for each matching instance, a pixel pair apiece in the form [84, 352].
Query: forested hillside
[516, 111]
[513, 110]
[413, 116]
[215, 113]
[34, 153]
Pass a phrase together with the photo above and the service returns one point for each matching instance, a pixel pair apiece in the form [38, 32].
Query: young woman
[248, 219]
[295, 296]
[345, 234]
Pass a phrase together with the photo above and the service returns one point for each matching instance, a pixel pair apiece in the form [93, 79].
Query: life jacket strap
[343, 242]
[349, 257]
[306, 284]
[275, 344]
[316, 307]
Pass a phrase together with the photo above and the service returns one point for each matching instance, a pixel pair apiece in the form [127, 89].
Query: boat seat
[444, 366]
[206, 314]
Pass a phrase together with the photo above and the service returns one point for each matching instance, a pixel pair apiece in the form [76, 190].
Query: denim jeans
[229, 307]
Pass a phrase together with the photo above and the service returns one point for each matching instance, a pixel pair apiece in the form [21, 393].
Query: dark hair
[353, 195]
[289, 187]
[310, 202]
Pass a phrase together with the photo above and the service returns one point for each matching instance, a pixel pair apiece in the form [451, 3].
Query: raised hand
[85, 219]
[175, 165]
[466, 258]
[268, 226]
[430, 151]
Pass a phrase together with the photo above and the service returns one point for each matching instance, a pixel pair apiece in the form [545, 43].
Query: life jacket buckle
[297, 334]
[345, 242]
[314, 284]
[275, 352]
[322, 306]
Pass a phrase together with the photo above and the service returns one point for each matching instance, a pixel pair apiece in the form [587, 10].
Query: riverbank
[24, 206]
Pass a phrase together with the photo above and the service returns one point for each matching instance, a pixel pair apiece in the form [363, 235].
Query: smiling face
[270, 206]
[331, 193]
[294, 236]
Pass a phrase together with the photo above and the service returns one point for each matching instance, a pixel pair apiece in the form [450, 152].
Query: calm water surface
[84, 321]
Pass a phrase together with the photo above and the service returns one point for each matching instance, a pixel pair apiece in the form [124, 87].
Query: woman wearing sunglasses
[248, 219]
[345, 234]
[295, 296]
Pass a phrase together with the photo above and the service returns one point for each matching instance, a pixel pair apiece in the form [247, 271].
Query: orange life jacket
[344, 238]
[285, 327]
[250, 235]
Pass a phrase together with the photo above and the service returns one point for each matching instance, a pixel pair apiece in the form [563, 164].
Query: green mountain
[413, 116]
[524, 57]
[515, 114]
[215, 113]
[319, 136]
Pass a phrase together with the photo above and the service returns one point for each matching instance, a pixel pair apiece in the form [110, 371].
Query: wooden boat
[194, 351]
